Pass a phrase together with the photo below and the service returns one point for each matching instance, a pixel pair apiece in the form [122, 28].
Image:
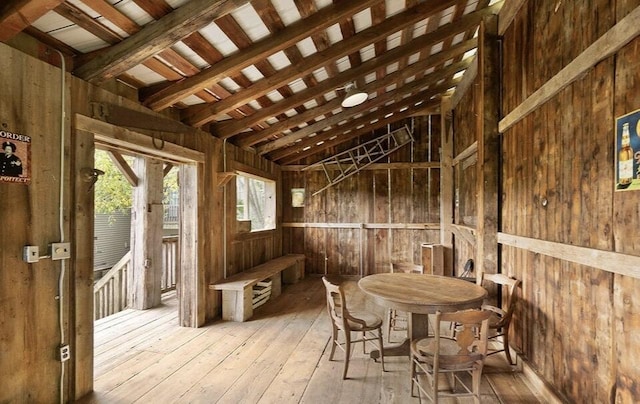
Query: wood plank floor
[279, 356]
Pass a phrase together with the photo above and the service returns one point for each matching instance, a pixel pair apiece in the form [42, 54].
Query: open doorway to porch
[113, 230]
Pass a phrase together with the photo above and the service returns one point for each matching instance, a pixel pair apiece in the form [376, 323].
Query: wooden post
[146, 235]
[191, 284]
[446, 183]
[488, 146]
[446, 174]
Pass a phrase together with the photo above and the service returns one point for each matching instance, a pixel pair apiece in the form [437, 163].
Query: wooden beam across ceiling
[154, 38]
[16, 15]
[202, 114]
[377, 85]
[257, 52]
[470, 21]
[396, 96]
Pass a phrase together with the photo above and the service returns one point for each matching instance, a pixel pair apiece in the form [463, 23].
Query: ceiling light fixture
[354, 96]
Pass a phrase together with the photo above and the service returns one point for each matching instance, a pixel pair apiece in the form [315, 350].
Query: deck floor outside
[279, 356]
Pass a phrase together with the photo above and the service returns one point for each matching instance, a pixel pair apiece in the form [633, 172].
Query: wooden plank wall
[577, 325]
[29, 335]
[348, 228]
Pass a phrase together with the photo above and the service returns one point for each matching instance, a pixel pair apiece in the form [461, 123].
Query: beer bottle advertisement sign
[627, 152]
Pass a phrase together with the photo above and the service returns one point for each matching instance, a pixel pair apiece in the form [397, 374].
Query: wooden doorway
[151, 154]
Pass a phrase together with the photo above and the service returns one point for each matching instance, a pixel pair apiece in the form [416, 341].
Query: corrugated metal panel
[111, 238]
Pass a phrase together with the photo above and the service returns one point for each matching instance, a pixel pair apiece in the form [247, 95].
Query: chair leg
[434, 385]
[381, 348]
[347, 353]
[334, 341]
[414, 378]
[476, 376]
[505, 340]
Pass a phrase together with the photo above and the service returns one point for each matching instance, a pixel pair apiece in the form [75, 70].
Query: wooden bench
[237, 290]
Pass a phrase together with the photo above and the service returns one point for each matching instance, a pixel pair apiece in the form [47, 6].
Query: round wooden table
[420, 295]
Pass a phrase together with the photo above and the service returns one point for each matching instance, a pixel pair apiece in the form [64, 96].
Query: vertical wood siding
[575, 324]
[384, 196]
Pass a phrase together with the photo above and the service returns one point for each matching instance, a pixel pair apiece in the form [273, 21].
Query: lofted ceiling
[266, 74]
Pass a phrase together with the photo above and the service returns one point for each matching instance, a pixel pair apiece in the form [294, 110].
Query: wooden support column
[146, 235]
[191, 283]
[446, 174]
[488, 146]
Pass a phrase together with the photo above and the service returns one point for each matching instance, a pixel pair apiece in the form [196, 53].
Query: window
[256, 201]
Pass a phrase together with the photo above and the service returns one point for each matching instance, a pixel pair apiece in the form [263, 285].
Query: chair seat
[372, 321]
[450, 358]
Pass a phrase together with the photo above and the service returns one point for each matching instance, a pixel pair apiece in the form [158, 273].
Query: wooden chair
[464, 353]
[501, 317]
[348, 322]
[398, 321]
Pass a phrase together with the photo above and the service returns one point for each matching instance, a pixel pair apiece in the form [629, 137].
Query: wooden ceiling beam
[257, 52]
[199, 115]
[348, 113]
[230, 129]
[17, 15]
[378, 115]
[108, 11]
[154, 38]
[377, 85]
[431, 107]
[86, 22]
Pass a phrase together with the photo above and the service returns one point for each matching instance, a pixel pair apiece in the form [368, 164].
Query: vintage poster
[627, 152]
[15, 160]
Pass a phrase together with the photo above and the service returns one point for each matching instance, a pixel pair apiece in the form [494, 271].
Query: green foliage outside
[112, 191]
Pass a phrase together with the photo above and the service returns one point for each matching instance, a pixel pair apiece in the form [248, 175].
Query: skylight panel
[275, 96]
[145, 75]
[368, 52]
[187, 53]
[251, 23]
[394, 40]
[279, 60]
[394, 7]
[306, 47]
[287, 11]
[393, 67]
[252, 73]
[320, 74]
[133, 11]
[362, 20]
[218, 39]
[229, 85]
[334, 33]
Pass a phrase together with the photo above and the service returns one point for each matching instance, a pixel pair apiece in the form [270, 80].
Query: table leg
[418, 328]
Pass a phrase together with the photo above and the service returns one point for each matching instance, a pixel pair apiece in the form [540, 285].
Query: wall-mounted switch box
[31, 253]
[60, 251]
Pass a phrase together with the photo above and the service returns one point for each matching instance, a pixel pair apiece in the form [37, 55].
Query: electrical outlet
[31, 253]
[60, 251]
[65, 353]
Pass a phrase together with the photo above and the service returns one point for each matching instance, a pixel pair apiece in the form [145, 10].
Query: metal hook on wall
[90, 175]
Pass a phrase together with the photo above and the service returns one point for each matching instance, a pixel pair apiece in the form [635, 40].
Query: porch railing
[111, 291]
[170, 265]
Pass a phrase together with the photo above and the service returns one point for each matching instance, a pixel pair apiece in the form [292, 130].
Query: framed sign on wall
[15, 160]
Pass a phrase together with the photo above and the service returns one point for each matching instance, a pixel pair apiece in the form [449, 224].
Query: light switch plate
[60, 251]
